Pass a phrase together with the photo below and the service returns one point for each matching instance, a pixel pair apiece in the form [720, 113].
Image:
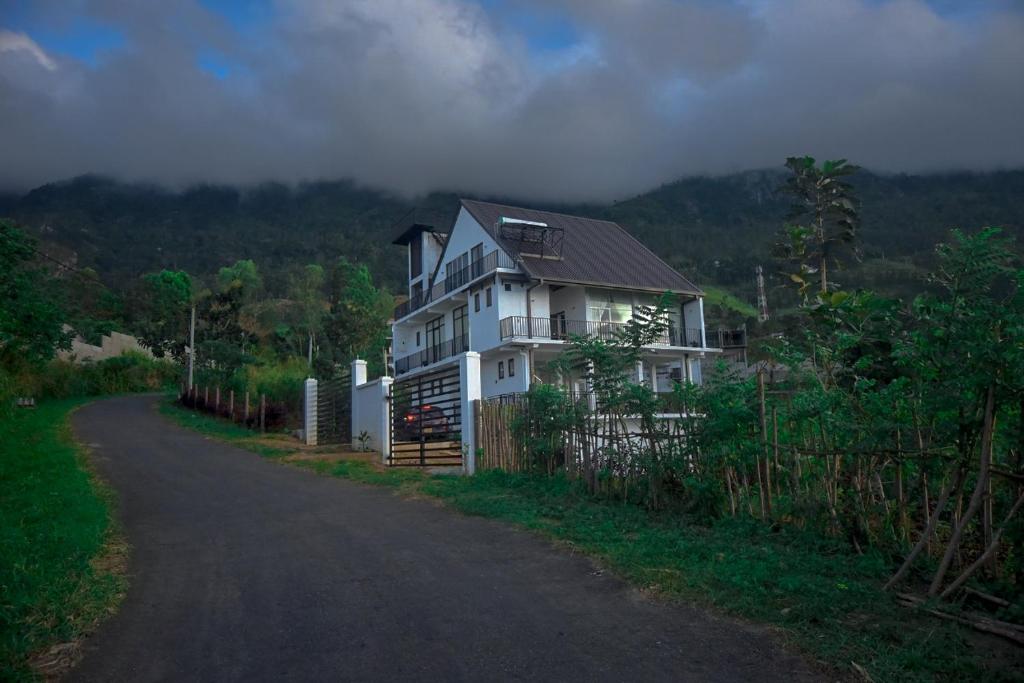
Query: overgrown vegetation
[60, 553]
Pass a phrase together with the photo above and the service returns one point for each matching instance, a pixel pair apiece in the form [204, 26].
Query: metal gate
[426, 420]
[334, 409]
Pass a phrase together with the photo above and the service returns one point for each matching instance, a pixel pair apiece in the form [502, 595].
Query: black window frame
[489, 297]
[511, 367]
[501, 369]
[476, 302]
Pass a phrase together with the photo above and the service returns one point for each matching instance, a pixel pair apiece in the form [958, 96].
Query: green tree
[359, 313]
[824, 220]
[31, 318]
[160, 309]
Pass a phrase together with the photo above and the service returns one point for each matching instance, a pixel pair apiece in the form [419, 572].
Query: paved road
[247, 570]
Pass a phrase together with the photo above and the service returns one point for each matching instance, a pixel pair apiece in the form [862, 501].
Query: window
[476, 257]
[417, 337]
[460, 329]
[501, 369]
[511, 367]
[416, 256]
[476, 302]
[508, 286]
[488, 292]
[610, 307]
[435, 337]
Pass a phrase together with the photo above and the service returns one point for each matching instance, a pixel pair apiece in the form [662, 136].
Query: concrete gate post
[309, 421]
[469, 381]
[358, 377]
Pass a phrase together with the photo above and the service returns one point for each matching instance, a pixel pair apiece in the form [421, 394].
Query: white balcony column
[686, 367]
[654, 377]
[639, 372]
[469, 380]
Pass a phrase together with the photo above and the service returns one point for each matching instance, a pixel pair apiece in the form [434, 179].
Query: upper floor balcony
[454, 281]
[559, 329]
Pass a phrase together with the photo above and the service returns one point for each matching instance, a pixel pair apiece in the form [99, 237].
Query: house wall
[367, 409]
[490, 385]
[483, 325]
[465, 234]
[572, 300]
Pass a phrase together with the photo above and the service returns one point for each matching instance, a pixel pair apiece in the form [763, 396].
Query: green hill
[716, 230]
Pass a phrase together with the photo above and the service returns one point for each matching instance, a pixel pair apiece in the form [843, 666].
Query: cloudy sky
[554, 99]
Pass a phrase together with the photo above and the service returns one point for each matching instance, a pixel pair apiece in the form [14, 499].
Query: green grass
[720, 297]
[219, 429]
[57, 538]
[821, 597]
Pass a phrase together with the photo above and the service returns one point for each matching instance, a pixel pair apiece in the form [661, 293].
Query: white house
[512, 284]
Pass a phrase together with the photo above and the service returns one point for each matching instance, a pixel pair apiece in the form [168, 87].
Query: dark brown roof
[594, 251]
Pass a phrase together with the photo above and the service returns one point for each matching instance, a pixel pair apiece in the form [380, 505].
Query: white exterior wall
[466, 234]
[540, 302]
[368, 402]
[483, 325]
[571, 300]
[490, 385]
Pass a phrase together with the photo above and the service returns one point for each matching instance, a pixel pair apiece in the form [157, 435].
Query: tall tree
[823, 221]
[160, 311]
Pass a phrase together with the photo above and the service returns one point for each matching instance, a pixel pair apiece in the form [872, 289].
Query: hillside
[714, 229]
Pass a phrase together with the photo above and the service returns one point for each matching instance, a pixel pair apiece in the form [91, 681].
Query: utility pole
[762, 298]
[191, 347]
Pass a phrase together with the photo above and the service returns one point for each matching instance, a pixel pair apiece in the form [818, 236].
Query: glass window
[460, 327]
[501, 369]
[609, 307]
[511, 367]
[508, 286]
[476, 302]
[488, 292]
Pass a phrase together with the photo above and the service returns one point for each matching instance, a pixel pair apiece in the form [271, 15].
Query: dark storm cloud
[415, 95]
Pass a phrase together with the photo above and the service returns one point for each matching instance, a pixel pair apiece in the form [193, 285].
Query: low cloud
[416, 95]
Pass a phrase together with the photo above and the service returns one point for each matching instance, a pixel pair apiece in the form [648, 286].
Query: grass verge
[821, 597]
[63, 560]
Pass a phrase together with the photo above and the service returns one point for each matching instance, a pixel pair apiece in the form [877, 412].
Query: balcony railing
[432, 354]
[557, 329]
[453, 281]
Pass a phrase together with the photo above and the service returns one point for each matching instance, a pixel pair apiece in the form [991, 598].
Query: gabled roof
[594, 252]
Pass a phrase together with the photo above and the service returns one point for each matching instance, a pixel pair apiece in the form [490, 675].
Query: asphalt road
[248, 570]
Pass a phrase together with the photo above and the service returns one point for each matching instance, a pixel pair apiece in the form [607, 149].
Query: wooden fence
[501, 446]
[251, 412]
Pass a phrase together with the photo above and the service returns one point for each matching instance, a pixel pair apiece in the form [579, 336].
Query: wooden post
[763, 472]
[231, 404]
[263, 412]
[245, 415]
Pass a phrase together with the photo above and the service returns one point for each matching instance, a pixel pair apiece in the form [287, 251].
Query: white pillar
[309, 422]
[469, 381]
[654, 377]
[639, 372]
[385, 418]
[358, 377]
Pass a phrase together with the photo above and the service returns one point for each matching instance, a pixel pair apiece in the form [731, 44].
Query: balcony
[432, 354]
[456, 280]
[562, 330]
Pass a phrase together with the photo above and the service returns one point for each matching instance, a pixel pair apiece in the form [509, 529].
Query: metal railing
[455, 280]
[559, 329]
[432, 354]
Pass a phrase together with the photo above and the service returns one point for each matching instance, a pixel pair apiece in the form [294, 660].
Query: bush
[129, 372]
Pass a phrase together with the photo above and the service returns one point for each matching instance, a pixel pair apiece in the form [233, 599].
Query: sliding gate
[426, 420]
